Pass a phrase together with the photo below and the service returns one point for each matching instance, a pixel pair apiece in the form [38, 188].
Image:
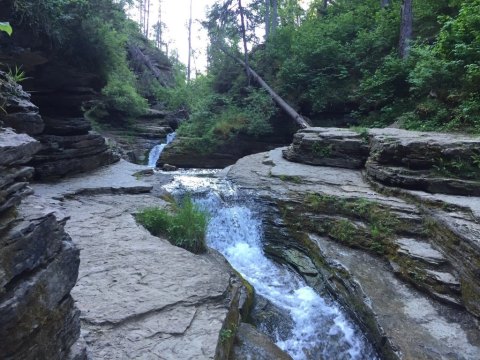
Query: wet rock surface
[404, 263]
[252, 344]
[134, 142]
[139, 296]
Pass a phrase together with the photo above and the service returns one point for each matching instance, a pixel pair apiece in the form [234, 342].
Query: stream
[317, 327]
[157, 150]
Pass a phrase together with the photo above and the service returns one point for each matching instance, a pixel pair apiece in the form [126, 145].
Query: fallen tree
[275, 97]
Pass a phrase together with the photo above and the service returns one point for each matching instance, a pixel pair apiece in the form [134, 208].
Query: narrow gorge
[151, 209]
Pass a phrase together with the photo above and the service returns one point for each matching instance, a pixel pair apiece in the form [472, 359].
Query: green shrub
[185, 226]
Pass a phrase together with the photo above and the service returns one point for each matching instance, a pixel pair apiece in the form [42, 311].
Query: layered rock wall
[67, 145]
[38, 266]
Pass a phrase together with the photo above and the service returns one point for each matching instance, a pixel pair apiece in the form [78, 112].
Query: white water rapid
[156, 151]
[320, 328]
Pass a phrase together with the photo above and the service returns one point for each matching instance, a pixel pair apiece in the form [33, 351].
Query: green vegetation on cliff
[94, 37]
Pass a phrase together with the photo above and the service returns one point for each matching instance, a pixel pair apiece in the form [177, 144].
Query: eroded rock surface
[405, 265]
[139, 296]
[432, 162]
[38, 266]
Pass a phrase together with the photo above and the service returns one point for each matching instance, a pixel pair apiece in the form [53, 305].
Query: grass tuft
[185, 226]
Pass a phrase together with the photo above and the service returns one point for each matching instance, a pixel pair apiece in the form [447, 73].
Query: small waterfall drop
[321, 329]
[156, 151]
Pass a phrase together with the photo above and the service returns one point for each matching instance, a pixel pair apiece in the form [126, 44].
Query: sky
[175, 15]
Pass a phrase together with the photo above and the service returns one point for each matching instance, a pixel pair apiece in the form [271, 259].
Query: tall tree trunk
[141, 11]
[189, 43]
[244, 38]
[147, 22]
[406, 29]
[274, 16]
[384, 3]
[267, 19]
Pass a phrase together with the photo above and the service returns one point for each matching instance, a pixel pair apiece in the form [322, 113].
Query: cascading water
[156, 151]
[320, 329]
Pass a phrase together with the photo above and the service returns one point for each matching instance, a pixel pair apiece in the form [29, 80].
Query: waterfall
[156, 151]
[320, 328]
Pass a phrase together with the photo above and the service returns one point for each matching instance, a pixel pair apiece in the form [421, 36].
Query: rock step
[328, 147]
[16, 148]
[420, 251]
[433, 162]
[73, 165]
[421, 180]
[420, 263]
[408, 320]
[66, 126]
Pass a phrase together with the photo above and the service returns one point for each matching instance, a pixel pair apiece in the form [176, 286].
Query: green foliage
[459, 168]
[17, 74]
[216, 118]
[321, 150]
[380, 223]
[226, 334]
[92, 36]
[5, 27]
[343, 59]
[185, 226]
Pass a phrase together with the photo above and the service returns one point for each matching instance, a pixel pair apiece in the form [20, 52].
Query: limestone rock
[433, 162]
[252, 344]
[181, 155]
[329, 147]
[70, 154]
[30, 123]
[327, 222]
[37, 315]
[139, 296]
[66, 126]
[16, 148]
[18, 111]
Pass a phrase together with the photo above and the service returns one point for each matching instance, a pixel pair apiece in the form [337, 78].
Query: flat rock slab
[117, 178]
[140, 297]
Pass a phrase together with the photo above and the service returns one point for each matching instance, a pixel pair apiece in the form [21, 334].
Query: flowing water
[319, 328]
[156, 151]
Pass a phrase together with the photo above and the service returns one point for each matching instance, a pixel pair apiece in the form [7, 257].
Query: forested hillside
[94, 41]
[342, 60]
[345, 62]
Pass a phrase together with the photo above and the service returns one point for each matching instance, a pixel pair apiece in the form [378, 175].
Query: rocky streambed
[403, 262]
[341, 234]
